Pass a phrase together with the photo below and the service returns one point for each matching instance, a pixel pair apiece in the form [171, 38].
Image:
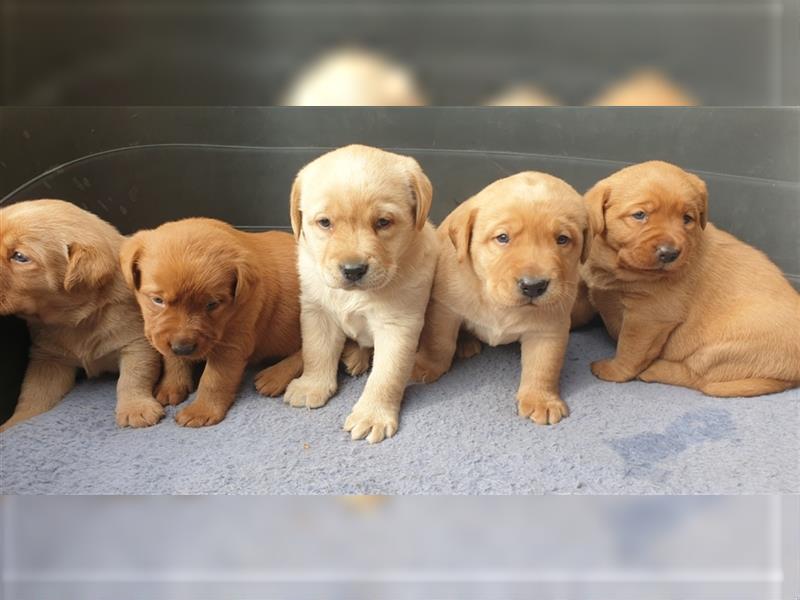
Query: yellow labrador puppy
[508, 272]
[366, 258]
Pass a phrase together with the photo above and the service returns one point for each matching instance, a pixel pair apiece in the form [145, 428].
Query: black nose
[667, 254]
[183, 348]
[533, 288]
[354, 271]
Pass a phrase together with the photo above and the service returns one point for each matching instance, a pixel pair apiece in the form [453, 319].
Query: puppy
[366, 259]
[689, 304]
[211, 293]
[645, 87]
[507, 272]
[59, 271]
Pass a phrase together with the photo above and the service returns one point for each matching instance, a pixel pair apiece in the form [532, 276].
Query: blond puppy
[60, 272]
[688, 304]
[366, 257]
[508, 272]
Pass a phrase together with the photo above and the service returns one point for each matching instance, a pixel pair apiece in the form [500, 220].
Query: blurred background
[409, 52]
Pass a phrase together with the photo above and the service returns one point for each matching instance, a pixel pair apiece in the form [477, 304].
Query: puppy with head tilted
[688, 304]
[508, 272]
[366, 260]
[60, 272]
[211, 293]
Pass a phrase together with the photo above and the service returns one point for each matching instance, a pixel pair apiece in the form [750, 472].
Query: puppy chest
[492, 334]
[356, 326]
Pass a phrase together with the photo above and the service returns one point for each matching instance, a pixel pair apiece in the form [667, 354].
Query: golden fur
[209, 292]
[721, 318]
[363, 206]
[80, 313]
[479, 283]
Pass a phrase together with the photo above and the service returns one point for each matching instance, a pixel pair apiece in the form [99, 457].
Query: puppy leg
[176, 381]
[467, 345]
[216, 392]
[355, 358]
[609, 306]
[273, 380]
[46, 382]
[640, 342]
[376, 415]
[669, 372]
[138, 372]
[745, 387]
[437, 343]
[542, 358]
[582, 310]
[323, 342]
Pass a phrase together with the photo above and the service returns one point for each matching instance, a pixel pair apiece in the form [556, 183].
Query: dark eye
[562, 240]
[20, 258]
[324, 223]
[157, 300]
[212, 305]
[383, 223]
[687, 218]
[639, 215]
[503, 239]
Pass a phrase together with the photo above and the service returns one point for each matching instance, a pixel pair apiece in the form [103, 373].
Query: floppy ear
[89, 266]
[587, 242]
[459, 228]
[422, 191]
[702, 190]
[596, 202]
[244, 279]
[294, 208]
[129, 255]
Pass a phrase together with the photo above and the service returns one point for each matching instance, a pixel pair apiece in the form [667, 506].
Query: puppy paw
[425, 371]
[543, 409]
[610, 370]
[356, 359]
[468, 346]
[199, 414]
[304, 391]
[170, 394]
[273, 380]
[143, 412]
[373, 421]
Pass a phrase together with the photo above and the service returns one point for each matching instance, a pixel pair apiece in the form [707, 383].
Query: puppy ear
[244, 279]
[702, 190]
[422, 191]
[596, 202]
[89, 266]
[587, 242]
[129, 255]
[459, 228]
[294, 208]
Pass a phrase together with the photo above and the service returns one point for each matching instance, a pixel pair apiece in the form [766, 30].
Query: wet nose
[667, 254]
[533, 288]
[353, 271]
[183, 347]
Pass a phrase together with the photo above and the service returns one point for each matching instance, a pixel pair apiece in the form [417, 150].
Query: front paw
[426, 371]
[199, 414]
[169, 393]
[610, 370]
[543, 409]
[308, 392]
[273, 380]
[142, 412]
[468, 346]
[373, 421]
[356, 359]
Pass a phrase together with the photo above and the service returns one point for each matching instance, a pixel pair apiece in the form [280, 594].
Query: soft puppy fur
[508, 272]
[59, 271]
[366, 260]
[689, 304]
[211, 293]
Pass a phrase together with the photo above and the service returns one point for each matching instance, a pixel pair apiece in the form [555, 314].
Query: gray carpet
[460, 435]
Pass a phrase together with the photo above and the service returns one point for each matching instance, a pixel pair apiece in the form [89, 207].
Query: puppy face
[53, 253]
[524, 236]
[357, 210]
[190, 278]
[652, 214]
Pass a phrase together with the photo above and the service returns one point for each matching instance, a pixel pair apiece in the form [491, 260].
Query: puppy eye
[157, 300]
[639, 215]
[382, 223]
[503, 239]
[687, 218]
[212, 305]
[20, 258]
[562, 240]
[324, 223]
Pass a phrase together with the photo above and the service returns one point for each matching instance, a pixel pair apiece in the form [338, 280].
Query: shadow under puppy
[60, 272]
[366, 260]
[688, 304]
[211, 293]
[508, 272]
